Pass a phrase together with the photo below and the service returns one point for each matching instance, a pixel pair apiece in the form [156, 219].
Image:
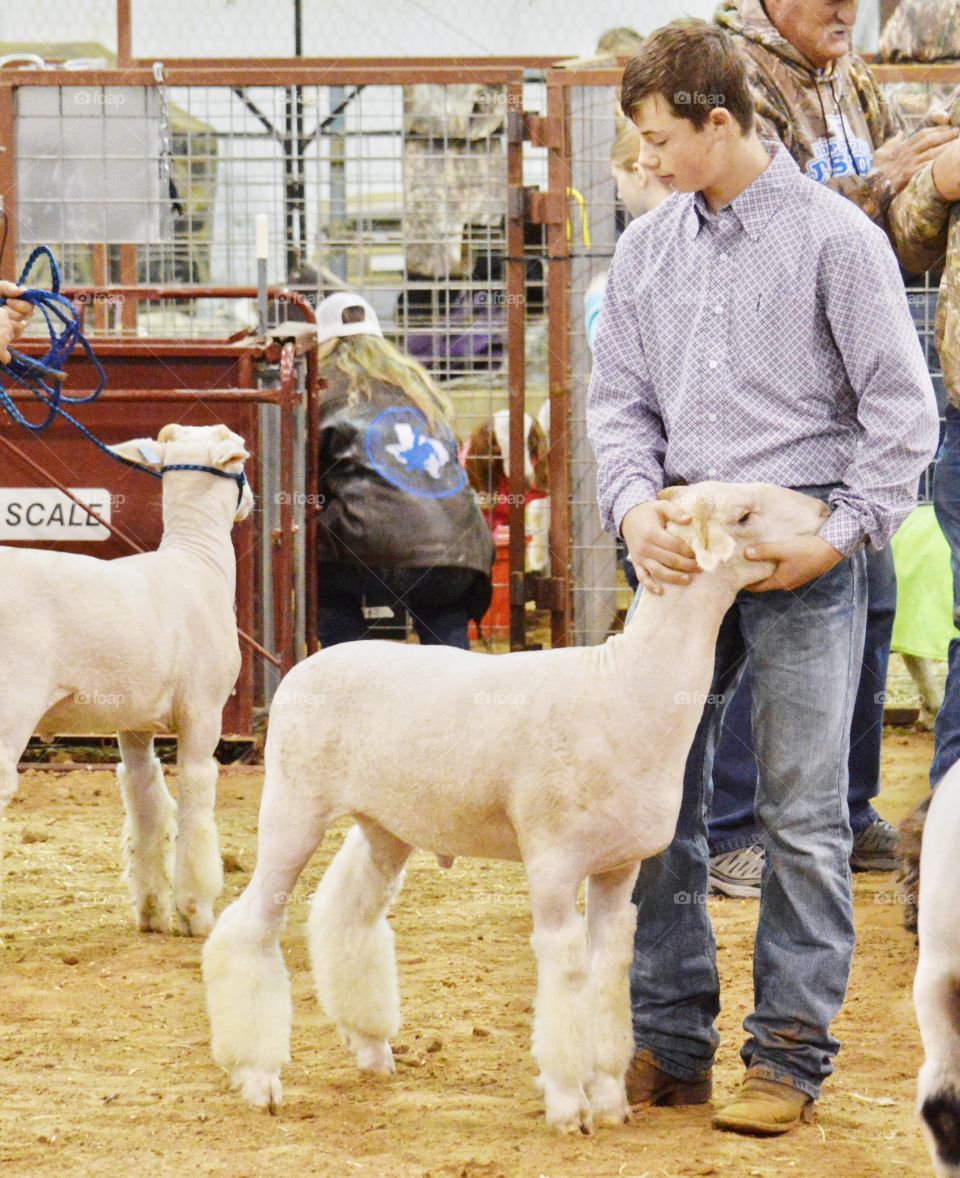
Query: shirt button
[718, 309]
[723, 257]
[711, 417]
[712, 472]
[712, 364]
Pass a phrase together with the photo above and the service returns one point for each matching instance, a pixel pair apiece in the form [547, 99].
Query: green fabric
[924, 623]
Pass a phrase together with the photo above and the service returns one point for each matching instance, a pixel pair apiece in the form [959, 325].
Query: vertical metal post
[338, 184]
[558, 304]
[516, 363]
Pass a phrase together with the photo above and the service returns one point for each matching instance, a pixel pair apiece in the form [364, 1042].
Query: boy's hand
[798, 561]
[14, 316]
[658, 557]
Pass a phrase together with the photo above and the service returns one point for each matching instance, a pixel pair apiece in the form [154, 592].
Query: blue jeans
[803, 649]
[733, 821]
[946, 503]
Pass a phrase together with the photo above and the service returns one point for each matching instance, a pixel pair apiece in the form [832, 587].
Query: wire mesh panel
[398, 191]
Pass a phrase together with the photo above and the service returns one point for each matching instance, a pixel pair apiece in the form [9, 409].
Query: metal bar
[124, 34]
[8, 178]
[283, 538]
[117, 532]
[286, 74]
[312, 506]
[516, 376]
[101, 278]
[213, 395]
[128, 276]
[558, 172]
[190, 292]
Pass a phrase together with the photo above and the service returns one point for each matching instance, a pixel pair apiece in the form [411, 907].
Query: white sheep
[570, 760]
[133, 646]
[936, 987]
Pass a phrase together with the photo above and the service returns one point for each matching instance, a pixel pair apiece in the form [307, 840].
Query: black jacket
[394, 492]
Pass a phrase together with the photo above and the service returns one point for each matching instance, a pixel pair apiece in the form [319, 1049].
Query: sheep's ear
[141, 452]
[230, 450]
[170, 433]
[668, 493]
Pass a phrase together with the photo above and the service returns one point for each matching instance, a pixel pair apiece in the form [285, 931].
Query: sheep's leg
[12, 744]
[149, 832]
[248, 990]
[936, 995]
[931, 698]
[611, 925]
[198, 875]
[351, 943]
[561, 1023]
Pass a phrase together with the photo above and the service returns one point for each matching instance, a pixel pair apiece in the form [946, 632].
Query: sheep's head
[216, 446]
[725, 518]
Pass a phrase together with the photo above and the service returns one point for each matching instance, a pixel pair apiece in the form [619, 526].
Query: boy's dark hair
[695, 66]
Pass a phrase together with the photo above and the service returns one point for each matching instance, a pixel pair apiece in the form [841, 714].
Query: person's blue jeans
[733, 821]
[437, 598]
[946, 503]
[803, 650]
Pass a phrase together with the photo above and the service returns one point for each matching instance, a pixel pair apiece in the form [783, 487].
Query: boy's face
[680, 156]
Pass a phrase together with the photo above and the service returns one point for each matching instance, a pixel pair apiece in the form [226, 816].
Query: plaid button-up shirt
[769, 342]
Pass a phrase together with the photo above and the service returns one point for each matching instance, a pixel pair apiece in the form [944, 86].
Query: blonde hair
[362, 358]
[626, 146]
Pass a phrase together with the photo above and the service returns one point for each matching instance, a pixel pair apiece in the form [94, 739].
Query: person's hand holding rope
[14, 317]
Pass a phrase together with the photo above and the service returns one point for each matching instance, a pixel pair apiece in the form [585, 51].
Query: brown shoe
[648, 1084]
[765, 1108]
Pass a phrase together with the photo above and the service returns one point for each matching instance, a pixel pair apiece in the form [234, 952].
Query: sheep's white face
[727, 517]
[199, 445]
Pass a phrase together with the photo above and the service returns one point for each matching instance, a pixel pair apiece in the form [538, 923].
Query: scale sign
[43, 513]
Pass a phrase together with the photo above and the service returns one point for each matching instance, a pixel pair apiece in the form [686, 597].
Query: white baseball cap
[330, 324]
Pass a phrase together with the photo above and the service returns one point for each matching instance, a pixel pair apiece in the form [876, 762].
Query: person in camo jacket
[821, 101]
[928, 219]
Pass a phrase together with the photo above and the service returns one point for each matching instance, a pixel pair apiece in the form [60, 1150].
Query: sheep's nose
[824, 510]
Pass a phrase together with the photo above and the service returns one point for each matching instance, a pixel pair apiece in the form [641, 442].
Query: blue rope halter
[239, 478]
[45, 377]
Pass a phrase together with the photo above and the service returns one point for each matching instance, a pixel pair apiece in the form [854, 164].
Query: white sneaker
[737, 873]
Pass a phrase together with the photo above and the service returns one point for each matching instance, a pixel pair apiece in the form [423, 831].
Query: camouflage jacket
[922, 30]
[831, 120]
[931, 227]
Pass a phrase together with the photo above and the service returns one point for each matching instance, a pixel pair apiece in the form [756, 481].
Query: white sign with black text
[43, 513]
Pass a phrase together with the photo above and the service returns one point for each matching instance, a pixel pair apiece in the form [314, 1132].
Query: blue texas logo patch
[414, 456]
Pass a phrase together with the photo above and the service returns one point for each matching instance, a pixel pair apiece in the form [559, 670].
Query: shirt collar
[754, 207]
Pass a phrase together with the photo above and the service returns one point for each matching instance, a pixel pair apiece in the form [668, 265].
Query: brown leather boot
[765, 1108]
[648, 1084]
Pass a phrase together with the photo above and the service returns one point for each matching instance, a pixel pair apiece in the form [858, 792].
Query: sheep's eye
[743, 518]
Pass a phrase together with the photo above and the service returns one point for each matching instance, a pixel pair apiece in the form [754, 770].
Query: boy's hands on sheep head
[797, 561]
[658, 556]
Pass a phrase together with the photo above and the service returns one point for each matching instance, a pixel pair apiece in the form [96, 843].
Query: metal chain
[166, 143]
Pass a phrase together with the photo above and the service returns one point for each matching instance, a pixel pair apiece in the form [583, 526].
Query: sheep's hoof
[372, 1055]
[608, 1101]
[259, 1089]
[153, 914]
[568, 1111]
[195, 921]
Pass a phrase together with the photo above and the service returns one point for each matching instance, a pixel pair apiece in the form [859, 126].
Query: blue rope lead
[44, 377]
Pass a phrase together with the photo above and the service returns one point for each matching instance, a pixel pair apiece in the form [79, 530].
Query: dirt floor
[105, 1066]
